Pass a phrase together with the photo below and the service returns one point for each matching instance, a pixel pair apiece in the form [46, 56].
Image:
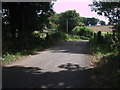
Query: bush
[82, 31]
[76, 30]
[73, 37]
[89, 32]
[99, 36]
[84, 38]
[116, 39]
[57, 36]
[62, 36]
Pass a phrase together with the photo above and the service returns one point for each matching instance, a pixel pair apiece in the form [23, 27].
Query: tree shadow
[77, 47]
[73, 76]
[72, 67]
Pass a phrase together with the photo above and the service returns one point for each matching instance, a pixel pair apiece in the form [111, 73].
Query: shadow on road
[77, 47]
[73, 76]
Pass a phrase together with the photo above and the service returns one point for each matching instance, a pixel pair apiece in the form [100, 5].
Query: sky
[81, 7]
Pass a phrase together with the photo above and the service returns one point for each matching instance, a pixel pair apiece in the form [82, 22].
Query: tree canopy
[20, 19]
[102, 22]
[90, 21]
[53, 21]
[24, 17]
[108, 9]
[73, 19]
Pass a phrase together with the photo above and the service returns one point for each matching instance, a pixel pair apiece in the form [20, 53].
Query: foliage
[82, 31]
[77, 29]
[56, 36]
[73, 20]
[111, 11]
[90, 21]
[108, 9]
[73, 37]
[54, 22]
[62, 36]
[104, 45]
[116, 39]
[20, 19]
[99, 36]
[106, 71]
[39, 43]
[10, 57]
[110, 23]
[102, 22]
[84, 38]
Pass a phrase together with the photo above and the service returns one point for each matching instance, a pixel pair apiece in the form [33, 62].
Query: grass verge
[106, 70]
[75, 37]
[12, 56]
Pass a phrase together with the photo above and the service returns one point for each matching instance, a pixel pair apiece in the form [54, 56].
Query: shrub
[73, 37]
[84, 38]
[77, 29]
[82, 31]
[57, 36]
[62, 36]
[99, 35]
[89, 32]
[116, 39]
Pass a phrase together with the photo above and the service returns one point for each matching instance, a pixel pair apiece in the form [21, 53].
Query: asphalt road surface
[64, 65]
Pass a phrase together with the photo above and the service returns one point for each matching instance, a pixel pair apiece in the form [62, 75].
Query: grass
[38, 44]
[73, 38]
[10, 57]
[106, 71]
[105, 33]
[76, 37]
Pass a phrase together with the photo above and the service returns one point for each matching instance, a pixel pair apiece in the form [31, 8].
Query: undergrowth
[106, 71]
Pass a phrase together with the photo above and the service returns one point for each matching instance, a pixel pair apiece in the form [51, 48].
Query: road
[64, 65]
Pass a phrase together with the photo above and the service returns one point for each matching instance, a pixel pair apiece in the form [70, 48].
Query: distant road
[64, 65]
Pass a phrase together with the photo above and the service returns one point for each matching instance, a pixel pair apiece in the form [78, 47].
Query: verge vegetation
[106, 70]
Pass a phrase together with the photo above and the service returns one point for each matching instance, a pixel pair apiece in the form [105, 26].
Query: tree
[109, 23]
[23, 18]
[110, 10]
[53, 21]
[102, 23]
[73, 19]
[90, 21]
